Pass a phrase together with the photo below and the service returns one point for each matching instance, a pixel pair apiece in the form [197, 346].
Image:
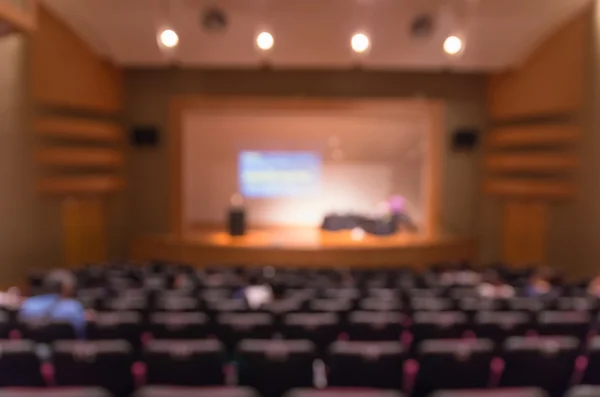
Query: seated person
[495, 288]
[594, 287]
[539, 285]
[257, 294]
[57, 303]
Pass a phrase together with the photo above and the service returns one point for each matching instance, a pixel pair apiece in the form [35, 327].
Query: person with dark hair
[539, 284]
[57, 302]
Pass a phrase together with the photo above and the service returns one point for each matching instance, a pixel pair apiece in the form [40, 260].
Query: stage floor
[301, 247]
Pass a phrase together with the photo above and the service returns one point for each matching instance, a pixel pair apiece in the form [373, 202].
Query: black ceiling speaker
[465, 139]
[214, 19]
[422, 26]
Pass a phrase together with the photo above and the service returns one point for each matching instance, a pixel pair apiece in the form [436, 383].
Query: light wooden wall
[65, 72]
[19, 17]
[80, 140]
[531, 153]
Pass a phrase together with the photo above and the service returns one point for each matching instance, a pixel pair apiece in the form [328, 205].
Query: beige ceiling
[316, 33]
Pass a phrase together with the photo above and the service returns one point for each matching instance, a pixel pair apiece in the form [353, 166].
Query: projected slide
[279, 174]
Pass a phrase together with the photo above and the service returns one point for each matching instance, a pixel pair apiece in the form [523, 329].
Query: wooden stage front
[301, 247]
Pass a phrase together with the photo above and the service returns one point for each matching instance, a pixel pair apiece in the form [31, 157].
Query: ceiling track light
[168, 38]
[360, 43]
[265, 41]
[453, 45]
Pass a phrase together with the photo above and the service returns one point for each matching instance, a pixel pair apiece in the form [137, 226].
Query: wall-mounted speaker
[465, 139]
[144, 136]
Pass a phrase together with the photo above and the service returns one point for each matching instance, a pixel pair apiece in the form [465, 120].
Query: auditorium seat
[578, 303]
[453, 364]
[320, 328]
[546, 362]
[212, 295]
[569, 323]
[499, 325]
[116, 325]
[126, 303]
[431, 304]
[579, 391]
[107, 364]
[46, 330]
[226, 306]
[6, 325]
[233, 327]
[56, 392]
[379, 304]
[303, 294]
[366, 364]
[169, 391]
[375, 326]
[274, 366]
[591, 375]
[182, 325]
[502, 392]
[473, 305]
[184, 362]
[385, 294]
[341, 306]
[177, 303]
[527, 304]
[20, 366]
[343, 392]
[342, 293]
[438, 325]
[283, 306]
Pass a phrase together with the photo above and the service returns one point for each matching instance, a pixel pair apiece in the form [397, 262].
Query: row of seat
[308, 299]
[321, 328]
[275, 366]
[165, 391]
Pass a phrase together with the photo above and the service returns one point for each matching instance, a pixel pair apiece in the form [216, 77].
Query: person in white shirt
[257, 294]
[495, 288]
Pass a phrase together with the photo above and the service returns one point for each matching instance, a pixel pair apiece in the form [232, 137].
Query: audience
[494, 287]
[57, 303]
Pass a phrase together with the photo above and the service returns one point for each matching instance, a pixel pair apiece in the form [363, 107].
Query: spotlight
[360, 42]
[453, 45]
[168, 38]
[265, 41]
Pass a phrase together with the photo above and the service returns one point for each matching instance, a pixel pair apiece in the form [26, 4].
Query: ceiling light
[265, 41]
[360, 42]
[168, 38]
[453, 45]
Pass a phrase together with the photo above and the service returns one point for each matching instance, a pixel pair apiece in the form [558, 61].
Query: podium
[236, 222]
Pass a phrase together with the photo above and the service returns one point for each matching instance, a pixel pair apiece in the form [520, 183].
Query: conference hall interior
[299, 198]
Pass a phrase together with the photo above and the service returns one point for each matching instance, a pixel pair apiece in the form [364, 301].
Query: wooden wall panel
[85, 231]
[86, 185]
[66, 72]
[525, 229]
[20, 17]
[531, 162]
[550, 81]
[80, 157]
[79, 129]
[529, 188]
[536, 135]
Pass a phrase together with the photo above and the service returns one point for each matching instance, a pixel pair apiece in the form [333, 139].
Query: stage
[300, 247]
